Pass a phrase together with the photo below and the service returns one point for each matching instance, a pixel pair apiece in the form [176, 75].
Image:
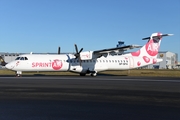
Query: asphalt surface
[89, 98]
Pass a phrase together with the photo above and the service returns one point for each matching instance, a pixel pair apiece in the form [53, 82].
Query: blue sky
[43, 25]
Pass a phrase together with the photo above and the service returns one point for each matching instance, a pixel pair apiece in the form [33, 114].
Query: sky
[40, 26]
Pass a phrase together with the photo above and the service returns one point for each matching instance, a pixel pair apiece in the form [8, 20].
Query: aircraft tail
[148, 53]
[151, 48]
[2, 62]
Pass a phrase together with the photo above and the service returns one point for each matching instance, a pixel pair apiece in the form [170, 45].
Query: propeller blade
[80, 61]
[59, 50]
[81, 50]
[76, 48]
[77, 54]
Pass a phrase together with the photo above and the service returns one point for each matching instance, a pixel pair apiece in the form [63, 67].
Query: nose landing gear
[18, 73]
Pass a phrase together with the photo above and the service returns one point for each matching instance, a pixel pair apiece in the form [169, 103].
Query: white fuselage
[67, 62]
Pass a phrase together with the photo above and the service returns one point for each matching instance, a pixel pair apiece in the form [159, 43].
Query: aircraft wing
[123, 48]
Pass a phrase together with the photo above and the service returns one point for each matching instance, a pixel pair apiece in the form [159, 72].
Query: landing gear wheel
[18, 73]
[93, 74]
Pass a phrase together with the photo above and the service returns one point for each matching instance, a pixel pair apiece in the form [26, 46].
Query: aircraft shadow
[103, 74]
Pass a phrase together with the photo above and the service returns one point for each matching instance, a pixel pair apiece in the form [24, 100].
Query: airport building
[8, 57]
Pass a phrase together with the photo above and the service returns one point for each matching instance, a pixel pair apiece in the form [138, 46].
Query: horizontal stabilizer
[147, 38]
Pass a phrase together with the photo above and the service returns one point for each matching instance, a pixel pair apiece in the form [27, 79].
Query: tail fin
[151, 48]
[2, 62]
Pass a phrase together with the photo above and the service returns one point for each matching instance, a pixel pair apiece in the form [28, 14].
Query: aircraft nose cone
[9, 66]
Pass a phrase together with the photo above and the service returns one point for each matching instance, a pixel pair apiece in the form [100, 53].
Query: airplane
[90, 62]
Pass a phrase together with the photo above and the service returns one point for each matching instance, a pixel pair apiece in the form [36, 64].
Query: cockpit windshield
[17, 58]
[21, 58]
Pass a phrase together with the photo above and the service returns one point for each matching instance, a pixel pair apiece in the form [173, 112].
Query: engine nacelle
[87, 55]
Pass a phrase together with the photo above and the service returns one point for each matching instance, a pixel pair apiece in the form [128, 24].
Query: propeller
[59, 50]
[77, 54]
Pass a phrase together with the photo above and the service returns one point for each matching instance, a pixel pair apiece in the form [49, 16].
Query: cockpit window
[17, 58]
[25, 58]
[22, 58]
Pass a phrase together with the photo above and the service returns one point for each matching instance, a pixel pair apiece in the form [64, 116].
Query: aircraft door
[131, 62]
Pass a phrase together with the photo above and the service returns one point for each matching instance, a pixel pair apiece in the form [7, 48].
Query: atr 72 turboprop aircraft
[90, 62]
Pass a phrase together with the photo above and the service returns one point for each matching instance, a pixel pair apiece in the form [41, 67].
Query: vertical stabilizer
[148, 53]
[151, 48]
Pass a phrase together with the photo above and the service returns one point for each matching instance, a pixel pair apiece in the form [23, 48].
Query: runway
[87, 98]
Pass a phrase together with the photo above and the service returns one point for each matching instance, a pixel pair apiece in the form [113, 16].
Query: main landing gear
[92, 73]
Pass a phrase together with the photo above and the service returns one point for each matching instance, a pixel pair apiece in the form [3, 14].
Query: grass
[134, 72]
